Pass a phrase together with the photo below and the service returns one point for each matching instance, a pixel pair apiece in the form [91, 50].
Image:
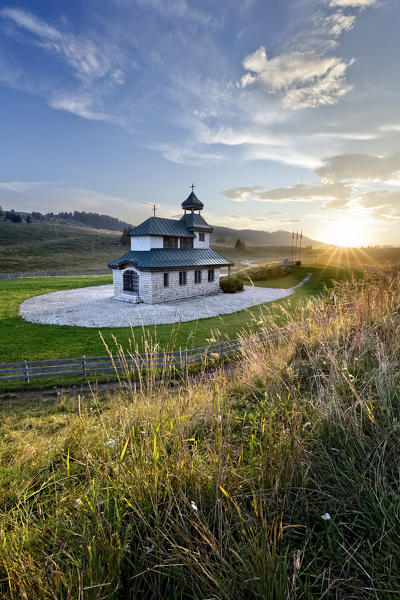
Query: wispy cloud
[351, 3]
[241, 194]
[83, 105]
[88, 59]
[179, 9]
[296, 193]
[303, 81]
[363, 167]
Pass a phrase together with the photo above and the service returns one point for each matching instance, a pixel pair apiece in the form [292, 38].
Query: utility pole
[301, 237]
[292, 245]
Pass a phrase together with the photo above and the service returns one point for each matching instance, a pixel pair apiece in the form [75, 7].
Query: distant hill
[221, 235]
[76, 218]
[225, 235]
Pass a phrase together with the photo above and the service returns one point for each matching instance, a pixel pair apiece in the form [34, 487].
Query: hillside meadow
[275, 477]
[29, 247]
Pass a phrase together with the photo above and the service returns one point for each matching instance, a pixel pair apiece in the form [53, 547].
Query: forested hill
[88, 219]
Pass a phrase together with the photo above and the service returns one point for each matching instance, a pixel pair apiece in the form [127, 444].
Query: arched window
[131, 281]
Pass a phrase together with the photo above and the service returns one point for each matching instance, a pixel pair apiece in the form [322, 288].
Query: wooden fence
[52, 274]
[86, 365]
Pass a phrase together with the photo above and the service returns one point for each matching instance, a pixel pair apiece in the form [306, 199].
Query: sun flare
[346, 232]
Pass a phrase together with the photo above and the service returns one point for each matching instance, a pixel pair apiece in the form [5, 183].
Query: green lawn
[20, 339]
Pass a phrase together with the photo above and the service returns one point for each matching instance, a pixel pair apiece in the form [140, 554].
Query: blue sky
[284, 114]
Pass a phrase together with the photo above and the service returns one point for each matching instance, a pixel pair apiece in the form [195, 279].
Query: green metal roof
[196, 222]
[192, 201]
[159, 226]
[159, 259]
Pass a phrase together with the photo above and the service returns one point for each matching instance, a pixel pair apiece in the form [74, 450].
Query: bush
[262, 272]
[231, 285]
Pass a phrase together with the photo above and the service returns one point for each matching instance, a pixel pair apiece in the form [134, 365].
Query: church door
[131, 282]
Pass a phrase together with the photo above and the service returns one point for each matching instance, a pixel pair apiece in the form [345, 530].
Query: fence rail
[52, 274]
[84, 365]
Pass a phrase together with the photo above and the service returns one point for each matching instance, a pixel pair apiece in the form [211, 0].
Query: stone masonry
[153, 291]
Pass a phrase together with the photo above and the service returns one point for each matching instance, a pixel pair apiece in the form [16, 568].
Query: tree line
[89, 219]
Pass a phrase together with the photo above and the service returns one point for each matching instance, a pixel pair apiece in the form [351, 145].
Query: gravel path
[96, 307]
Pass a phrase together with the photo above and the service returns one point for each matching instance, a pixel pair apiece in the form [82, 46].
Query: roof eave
[178, 235]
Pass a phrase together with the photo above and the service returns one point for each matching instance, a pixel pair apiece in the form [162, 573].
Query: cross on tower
[192, 186]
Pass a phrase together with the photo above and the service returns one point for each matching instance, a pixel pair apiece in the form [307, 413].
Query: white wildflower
[78, 502]
[306, 424]
[326, 517]
[110, 443]
[219, 418]
[193, 505]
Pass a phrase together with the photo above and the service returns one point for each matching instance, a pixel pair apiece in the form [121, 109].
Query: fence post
[26, 371]
[84, 366]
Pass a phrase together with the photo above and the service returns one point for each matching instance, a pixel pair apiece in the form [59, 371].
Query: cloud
[388, 209]
[338, 23]
[306, 193]
[88, 60]
[302, 79]
[179, 9]
[390, 127]
[335, 195]
[351, 3]
[82, 106]
[240, 194]
[364, 167]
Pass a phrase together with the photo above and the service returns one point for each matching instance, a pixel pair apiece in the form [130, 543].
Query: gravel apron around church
[96, 307]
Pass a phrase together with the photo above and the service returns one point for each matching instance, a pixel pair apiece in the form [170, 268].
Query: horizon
[292, 232]
[284, 116]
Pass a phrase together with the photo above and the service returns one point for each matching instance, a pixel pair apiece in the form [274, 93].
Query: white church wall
[198, 244]
[146, 242]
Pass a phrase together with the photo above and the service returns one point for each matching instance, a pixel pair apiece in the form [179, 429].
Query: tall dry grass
[273, 477]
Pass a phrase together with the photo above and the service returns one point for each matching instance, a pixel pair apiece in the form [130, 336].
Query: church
[169, 259]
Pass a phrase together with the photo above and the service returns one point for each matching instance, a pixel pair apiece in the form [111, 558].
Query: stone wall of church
[145, 286]
[152, 289]
[175, 291]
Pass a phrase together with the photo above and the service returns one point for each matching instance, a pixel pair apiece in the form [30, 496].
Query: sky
[285, 115]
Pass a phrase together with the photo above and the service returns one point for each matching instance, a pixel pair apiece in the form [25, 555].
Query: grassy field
[278, 480]
[23, 340]
[50, 247]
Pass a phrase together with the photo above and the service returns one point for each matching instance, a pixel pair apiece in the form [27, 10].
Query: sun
[346, 232]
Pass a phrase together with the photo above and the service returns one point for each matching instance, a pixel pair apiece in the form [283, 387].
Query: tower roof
[192, 201]
[196, 223]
